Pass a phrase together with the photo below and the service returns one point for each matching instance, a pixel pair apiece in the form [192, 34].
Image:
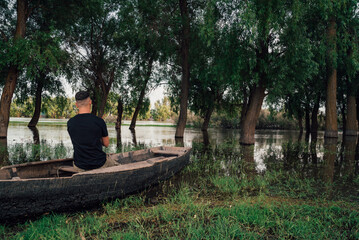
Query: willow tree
[98, 61]
[210, 68]
[18, 50]
[185, 65]
[145, 38]
[272, 46]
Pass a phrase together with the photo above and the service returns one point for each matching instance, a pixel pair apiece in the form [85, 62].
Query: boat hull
[21, 198]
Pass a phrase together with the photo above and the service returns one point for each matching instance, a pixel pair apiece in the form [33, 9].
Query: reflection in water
[249, 168]
[118, 138]
[36, 135]
[4, 153]
[179, 141]
[205, 138]
[349, 156]
[330, 153]
[134, 140]
[36, 152]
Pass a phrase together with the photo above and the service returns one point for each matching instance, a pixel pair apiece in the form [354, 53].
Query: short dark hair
[82, 95]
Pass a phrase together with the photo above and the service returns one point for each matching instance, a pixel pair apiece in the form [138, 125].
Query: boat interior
[64, 167]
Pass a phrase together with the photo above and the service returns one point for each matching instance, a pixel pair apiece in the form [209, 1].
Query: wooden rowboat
[34, 188]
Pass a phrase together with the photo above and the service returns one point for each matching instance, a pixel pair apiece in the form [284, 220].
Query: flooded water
[54, 133]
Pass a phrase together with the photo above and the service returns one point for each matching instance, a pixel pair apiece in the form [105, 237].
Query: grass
[219, 196]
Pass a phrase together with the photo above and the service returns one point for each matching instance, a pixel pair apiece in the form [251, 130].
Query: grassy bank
[218, 196]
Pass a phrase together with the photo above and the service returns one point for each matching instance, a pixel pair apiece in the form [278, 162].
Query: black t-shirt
[86, 131]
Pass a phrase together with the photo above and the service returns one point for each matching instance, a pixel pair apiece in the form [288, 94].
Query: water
[273, 150]
[53, 132]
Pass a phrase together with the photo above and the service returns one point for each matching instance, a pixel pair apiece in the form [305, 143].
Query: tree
[272, 54]
[98, 62]
[18, 49]
[185, 65]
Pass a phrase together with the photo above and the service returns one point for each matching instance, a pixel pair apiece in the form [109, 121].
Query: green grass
[218, 196]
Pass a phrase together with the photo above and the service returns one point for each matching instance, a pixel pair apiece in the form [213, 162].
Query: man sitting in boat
[88, 134]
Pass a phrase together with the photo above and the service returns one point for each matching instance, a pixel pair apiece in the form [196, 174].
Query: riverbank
[220, 195]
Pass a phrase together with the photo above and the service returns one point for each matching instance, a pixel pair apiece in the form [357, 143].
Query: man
[88, 134]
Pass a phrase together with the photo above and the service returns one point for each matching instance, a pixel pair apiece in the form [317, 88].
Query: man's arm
[105, 141]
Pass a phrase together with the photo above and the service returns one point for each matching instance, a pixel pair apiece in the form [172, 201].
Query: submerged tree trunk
[38, 99]
[344, 116]
[315, 125]
[307, 123]
[300, 123]
[185, 38]
[119, 113]
[11, 79]
[119, 121]
[351, 120]
[207, 118]
[251, 116]
[142, 94]
[331, 122]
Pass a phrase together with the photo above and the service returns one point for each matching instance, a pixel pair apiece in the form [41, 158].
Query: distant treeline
[62, 107]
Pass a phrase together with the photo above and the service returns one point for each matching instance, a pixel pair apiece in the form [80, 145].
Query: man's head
[83, 99]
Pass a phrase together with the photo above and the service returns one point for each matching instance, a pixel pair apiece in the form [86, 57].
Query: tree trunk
[300, 123]
[142, 94]
[134, 140]
[119, 113]
[185, 36]
[119, 121]
[104, 91]
[38, 99]
[351, 121]
[307, 123]
[101, 109]
[344, 116]
[331, 122]
[11, 79]
[315, 125]
[251, 116]
[6, 98]
[330, 154]
[207, 118]
[244, 106]
[95, 100]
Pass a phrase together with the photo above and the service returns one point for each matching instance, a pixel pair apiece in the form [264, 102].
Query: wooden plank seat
[69, 169]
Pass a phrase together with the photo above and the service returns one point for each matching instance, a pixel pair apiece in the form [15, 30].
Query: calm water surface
[327, 160]
[55, 134]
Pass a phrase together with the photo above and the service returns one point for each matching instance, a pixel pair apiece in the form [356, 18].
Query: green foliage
[162, 110]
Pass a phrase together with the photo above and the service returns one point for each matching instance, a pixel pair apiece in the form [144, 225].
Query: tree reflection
[134, 140]
[349, 156]
[36, 152]
[330, 153]
[247, 153]
[35, 134]
[4, 153]
[118, 138]
[205, 138]
[179, 141]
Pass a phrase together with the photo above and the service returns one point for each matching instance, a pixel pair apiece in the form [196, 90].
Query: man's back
[86, 132]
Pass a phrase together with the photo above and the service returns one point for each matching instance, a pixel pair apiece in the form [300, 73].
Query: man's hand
[105, 141]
